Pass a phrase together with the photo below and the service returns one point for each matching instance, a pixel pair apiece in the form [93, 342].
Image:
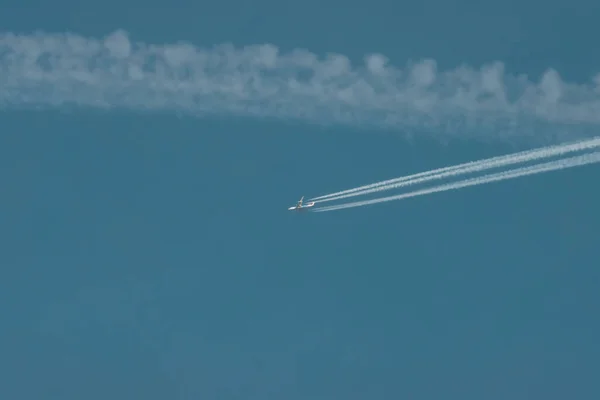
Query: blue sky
[147, 252]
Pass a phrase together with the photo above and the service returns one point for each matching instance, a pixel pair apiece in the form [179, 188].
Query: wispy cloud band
[45, 69]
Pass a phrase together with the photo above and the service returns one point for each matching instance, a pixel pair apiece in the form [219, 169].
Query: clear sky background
[149, 255]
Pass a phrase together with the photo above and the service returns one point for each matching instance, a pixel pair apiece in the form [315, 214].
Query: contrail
[476, 166]
[419, 175]
[524, 171]
[41, 70]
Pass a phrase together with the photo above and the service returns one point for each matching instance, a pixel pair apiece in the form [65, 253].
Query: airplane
[299, 206]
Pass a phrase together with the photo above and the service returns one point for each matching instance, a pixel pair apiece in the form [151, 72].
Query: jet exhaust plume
[476, 166]
[511, 174]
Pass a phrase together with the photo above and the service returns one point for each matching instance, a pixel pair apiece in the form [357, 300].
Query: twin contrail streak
[511, 174]
[476, 166]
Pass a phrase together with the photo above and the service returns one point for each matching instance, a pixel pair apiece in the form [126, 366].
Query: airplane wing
[300, 206]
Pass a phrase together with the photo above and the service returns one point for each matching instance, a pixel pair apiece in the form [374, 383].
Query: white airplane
[299, 206]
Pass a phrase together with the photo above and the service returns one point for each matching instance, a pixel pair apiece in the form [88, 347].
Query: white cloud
[551, 86]
[376, 63]
[260, 81]
[117, 44]
[423, 74]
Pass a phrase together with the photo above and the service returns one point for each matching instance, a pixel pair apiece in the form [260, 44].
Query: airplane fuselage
[300, 207]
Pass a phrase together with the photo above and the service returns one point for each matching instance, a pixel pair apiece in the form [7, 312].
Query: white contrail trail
[476, 166]
[420, 174]
[524, 171]
[66, 69]
[503, 160]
